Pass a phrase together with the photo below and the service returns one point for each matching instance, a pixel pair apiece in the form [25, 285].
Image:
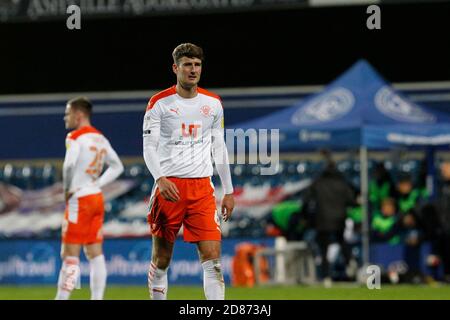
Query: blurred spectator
[410, 199]
[381, 186]
[438, 226]
[354, 224]
[389, 225]
[386, 224]
[422, 179]
[287, 219]
[327, 201]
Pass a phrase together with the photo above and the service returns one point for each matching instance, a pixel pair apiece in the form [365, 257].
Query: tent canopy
[359, 108]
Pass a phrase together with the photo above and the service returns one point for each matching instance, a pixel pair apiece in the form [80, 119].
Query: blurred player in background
[87, 150]
[183, 128]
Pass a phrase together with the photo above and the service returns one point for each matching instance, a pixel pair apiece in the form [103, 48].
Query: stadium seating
[34, 177]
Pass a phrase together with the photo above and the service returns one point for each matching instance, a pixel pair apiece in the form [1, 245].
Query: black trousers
[324, 239]
[442, 248]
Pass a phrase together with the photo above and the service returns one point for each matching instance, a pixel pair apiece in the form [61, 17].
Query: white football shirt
[87, 151]
[184, 130]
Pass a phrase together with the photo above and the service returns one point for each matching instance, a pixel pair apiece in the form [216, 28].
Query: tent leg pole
[364, 172]
[431, 172]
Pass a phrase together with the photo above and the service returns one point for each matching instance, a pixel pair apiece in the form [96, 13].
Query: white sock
[213, 283]
[157, 282]
[97, 277]
[68, 277]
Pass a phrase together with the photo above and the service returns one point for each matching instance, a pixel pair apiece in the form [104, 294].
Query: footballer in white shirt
[87, 151]
[182, 132]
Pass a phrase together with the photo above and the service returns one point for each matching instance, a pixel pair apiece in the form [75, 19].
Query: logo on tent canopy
[327, 107]
[394, 106]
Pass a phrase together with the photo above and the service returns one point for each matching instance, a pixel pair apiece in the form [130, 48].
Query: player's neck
[84, 123]
[186, 92]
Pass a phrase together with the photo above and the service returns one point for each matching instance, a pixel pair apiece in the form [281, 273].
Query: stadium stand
[128, 203]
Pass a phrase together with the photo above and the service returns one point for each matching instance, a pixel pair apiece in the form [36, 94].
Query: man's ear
[175, 68]
[79, 114]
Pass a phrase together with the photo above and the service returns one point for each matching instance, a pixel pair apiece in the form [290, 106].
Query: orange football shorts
[83, 220]
[196, 211]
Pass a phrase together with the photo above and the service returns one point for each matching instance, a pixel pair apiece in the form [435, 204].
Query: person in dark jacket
[440, 237]
[381, 186]
[327, 200]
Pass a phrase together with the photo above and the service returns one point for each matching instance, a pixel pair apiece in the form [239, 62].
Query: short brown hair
[187, 50]
[82, 104]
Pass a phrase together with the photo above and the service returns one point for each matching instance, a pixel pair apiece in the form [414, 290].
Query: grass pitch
[337, 292]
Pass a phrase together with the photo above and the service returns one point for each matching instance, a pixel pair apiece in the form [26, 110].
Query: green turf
[338, 292]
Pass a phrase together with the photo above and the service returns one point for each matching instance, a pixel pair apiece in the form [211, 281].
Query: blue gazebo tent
[361, 110]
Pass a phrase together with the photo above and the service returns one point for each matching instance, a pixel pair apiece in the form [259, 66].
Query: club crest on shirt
[205, 110]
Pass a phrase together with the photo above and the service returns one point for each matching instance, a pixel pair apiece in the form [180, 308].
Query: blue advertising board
[24, 262]
[38, 261]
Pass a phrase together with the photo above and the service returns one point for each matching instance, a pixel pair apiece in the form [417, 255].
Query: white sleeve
[151, 132]
[220, 152]
[115, 167]
[70, 160]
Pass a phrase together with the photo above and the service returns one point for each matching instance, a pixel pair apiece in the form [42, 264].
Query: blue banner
[38, 261]
[26, 262]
